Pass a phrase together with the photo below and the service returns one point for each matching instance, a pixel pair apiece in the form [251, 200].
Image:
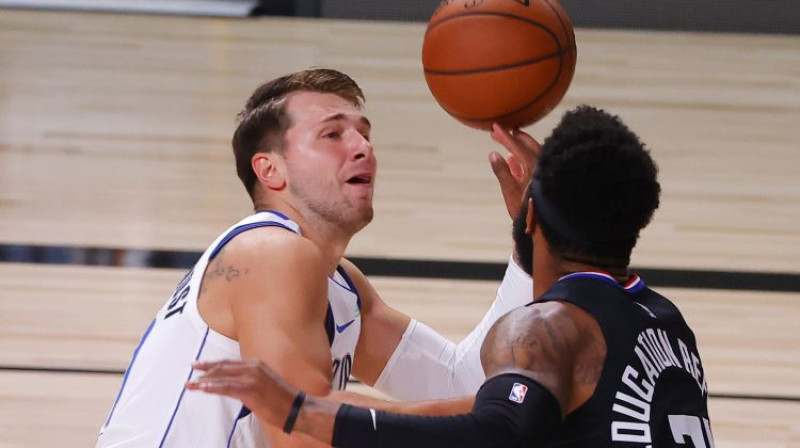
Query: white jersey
[154, 410]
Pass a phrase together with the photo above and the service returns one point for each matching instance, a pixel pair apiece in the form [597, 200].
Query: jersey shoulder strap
[262, 218]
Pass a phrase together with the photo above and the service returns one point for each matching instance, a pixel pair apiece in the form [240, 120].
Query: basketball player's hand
[252, 382]
[514, 172]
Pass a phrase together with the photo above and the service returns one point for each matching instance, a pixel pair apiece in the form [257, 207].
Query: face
[330, 164]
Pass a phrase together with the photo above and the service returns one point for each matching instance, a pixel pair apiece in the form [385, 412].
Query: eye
[330, 134]
[364, 131]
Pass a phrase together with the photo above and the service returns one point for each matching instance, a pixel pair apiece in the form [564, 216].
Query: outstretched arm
[529, 355]
[409, 360]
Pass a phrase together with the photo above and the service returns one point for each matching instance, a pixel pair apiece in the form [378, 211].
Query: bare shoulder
[530, 337]
[276, 306]
[265, 263]
[259, 273]
[540, 341]
[261, 250]
[274, 244]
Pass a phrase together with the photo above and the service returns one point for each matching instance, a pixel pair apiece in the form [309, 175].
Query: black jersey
[652, 391]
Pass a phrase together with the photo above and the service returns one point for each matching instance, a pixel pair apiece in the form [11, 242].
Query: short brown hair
[263, 122]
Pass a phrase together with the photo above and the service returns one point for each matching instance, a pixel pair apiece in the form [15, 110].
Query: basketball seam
[561, 21]
[519, 109]
[501, 14]
[570, 47]
[558, 53]
[498, 14]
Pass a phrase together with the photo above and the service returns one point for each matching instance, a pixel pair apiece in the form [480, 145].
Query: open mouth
[360, 179]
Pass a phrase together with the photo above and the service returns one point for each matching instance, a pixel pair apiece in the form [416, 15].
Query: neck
[568, 266]
[330, 238]
[548, 268]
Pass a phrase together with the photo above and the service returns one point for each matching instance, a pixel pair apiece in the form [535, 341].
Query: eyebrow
[341, 116]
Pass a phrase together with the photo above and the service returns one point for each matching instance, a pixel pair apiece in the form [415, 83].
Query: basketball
[504, 61]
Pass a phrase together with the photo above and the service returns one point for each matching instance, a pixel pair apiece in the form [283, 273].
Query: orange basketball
[505, 61]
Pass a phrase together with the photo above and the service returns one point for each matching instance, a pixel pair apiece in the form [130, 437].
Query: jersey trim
[243, 228]
[632, 286]
[276, 213]
[128, 370]
[183, 390]
[330, 324]
[350, 285]
[347, 286]
[244, 412]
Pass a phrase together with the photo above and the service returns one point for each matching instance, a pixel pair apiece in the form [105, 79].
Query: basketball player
[598, 359]
[275, 286]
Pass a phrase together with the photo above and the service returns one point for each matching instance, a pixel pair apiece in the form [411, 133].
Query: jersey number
[684, 426]
[343, 367]
[179, 296]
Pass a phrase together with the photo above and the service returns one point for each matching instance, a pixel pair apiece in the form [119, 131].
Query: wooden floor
[115, 130]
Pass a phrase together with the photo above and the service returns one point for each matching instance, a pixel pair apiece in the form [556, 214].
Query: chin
[365, 218]
[355, 219]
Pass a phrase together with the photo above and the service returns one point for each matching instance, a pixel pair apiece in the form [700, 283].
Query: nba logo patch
[518, 392]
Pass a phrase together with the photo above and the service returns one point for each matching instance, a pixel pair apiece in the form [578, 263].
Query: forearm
[495, 421]
[426, 365]
[450, 406]
[432, 407]
[324, 419]
[317, 418]
[510, 410]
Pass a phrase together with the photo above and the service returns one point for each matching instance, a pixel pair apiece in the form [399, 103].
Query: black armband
[294, 412]
[510, 410]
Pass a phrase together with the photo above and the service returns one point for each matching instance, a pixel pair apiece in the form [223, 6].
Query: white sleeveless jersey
[154, 410]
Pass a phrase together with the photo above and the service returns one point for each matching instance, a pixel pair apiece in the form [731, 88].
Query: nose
[362, 148]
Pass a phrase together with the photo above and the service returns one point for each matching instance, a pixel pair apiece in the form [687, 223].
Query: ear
[269, 170]
[530, 220]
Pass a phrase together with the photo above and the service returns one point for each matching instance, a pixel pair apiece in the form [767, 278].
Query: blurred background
[116, 172]
[741, 16]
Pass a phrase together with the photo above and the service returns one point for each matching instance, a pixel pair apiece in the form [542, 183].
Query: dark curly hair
[600, 181]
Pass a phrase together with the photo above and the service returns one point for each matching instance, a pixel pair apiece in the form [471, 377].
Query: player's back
[652, 390]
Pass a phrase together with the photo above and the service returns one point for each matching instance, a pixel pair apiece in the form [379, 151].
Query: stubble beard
[340, 213]
[522, 241]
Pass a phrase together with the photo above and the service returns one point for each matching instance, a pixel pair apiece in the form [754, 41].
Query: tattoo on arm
[541, 340]
[220, 268]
